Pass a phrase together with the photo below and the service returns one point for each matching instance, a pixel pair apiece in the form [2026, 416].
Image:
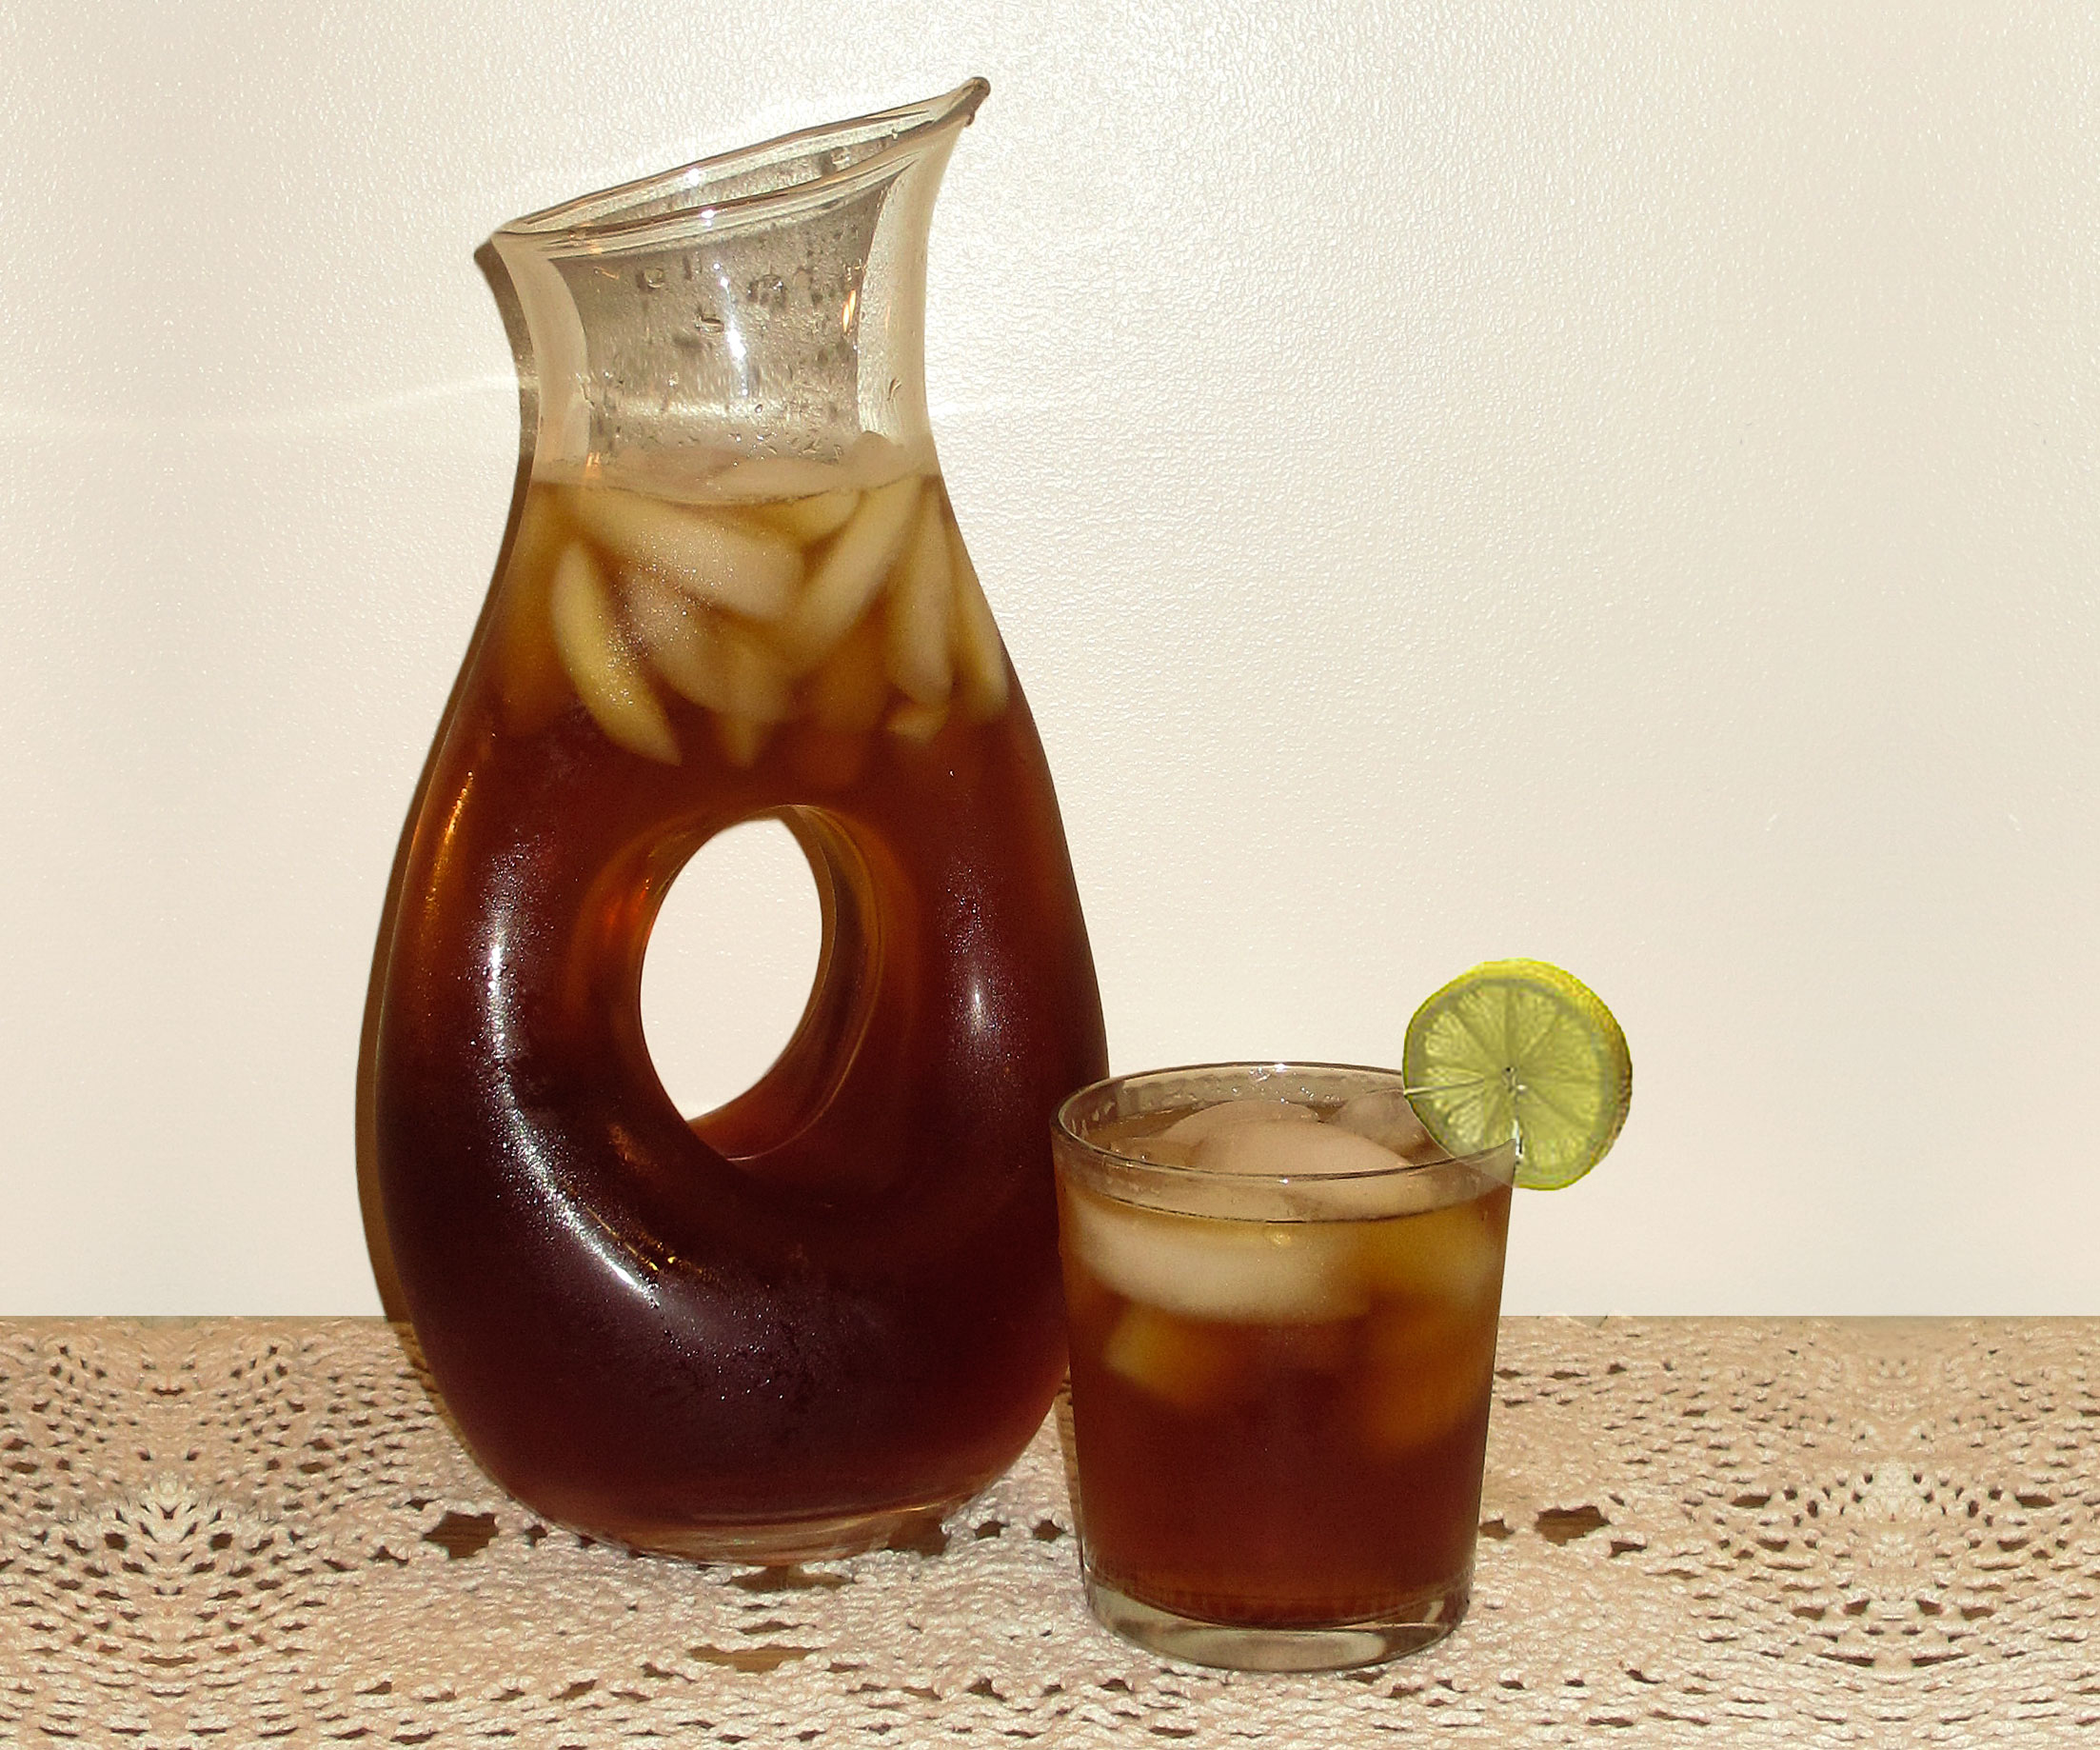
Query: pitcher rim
[606, 217]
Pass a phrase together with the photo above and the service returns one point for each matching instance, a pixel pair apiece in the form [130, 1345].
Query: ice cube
[848, 692]
[1137, 1139]
[1192, 1367]
[979, 657]
[917, 723]
[710, 657]
[1452, 1255]
[810, 518]
[1238, 1272]
[755, 685]
[763, 483]
[1386, 1116]
[1291, 1150]
[870, 460]
[1416, 1188]
[679, 635]
[918, 606]
[1422, 1376]
[847, 577]
[1209, 1120]
[543, 530]
[535, 689]
[606, 675]
[712, 555]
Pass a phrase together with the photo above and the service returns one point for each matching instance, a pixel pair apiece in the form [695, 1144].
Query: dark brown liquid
[838, 1295]
[1296, 1474]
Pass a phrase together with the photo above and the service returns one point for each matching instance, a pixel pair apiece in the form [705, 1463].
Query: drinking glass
[1283, 1351]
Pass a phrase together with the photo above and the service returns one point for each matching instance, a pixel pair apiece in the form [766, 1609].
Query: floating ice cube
[535, 689]
[713, 556]
[850, 574]
[870, 460]
[808, 519]
[1386, 1116]
[543, 530]
[1255, 1110]
[848, 692]
[1452, 1255]
[1241, 1272]
[916, 723]
[606, 675]
[917, 610]
[1291, 1150]
[757, 686]
[1422, 1376]
[979, 657]
[679, 634]
[767, 481]
[710, 658]
[1137, 1139]
[1191, 1366]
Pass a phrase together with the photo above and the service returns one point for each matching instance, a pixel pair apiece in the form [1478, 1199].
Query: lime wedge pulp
[1519, 1049]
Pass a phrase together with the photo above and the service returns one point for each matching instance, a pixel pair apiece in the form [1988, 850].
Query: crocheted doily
[1697, 1531]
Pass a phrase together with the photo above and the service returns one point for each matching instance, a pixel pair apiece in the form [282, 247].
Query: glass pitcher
[798, 1325]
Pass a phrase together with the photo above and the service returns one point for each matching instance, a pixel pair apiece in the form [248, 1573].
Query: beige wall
[1612, 482]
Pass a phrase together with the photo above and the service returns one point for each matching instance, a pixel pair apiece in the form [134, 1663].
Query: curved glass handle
[803, 1081]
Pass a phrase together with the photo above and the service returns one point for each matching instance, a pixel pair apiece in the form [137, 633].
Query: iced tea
[1282, 1301]
[785, 1327]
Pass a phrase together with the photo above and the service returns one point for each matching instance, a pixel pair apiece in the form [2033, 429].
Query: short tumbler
[1283, 1341]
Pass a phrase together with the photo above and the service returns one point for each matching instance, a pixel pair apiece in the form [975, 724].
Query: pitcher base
[810, 1539]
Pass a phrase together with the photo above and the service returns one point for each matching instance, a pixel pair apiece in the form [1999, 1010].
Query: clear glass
[1279, 1378]
[734, 588]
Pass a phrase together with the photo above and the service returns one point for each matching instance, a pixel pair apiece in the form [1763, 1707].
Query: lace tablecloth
[1695, 1531]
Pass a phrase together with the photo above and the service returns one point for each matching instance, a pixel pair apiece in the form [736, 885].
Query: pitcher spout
[809, 168]
[764, 301]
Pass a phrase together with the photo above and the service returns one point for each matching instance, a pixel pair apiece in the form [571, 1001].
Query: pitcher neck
[766, 302]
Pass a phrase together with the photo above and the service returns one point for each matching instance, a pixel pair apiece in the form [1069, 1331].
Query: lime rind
[1522, 1051]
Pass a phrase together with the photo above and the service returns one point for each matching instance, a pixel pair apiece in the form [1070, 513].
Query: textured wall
[1612, 483]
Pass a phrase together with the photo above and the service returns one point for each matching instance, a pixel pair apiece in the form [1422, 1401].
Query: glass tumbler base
[1393, 1634]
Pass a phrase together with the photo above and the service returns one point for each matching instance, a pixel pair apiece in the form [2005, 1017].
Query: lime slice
[1518, 1050]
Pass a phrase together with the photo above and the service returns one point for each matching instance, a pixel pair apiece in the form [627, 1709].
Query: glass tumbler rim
[1497, 1163]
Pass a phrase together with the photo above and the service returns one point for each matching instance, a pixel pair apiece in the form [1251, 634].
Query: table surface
[1714, 1531]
